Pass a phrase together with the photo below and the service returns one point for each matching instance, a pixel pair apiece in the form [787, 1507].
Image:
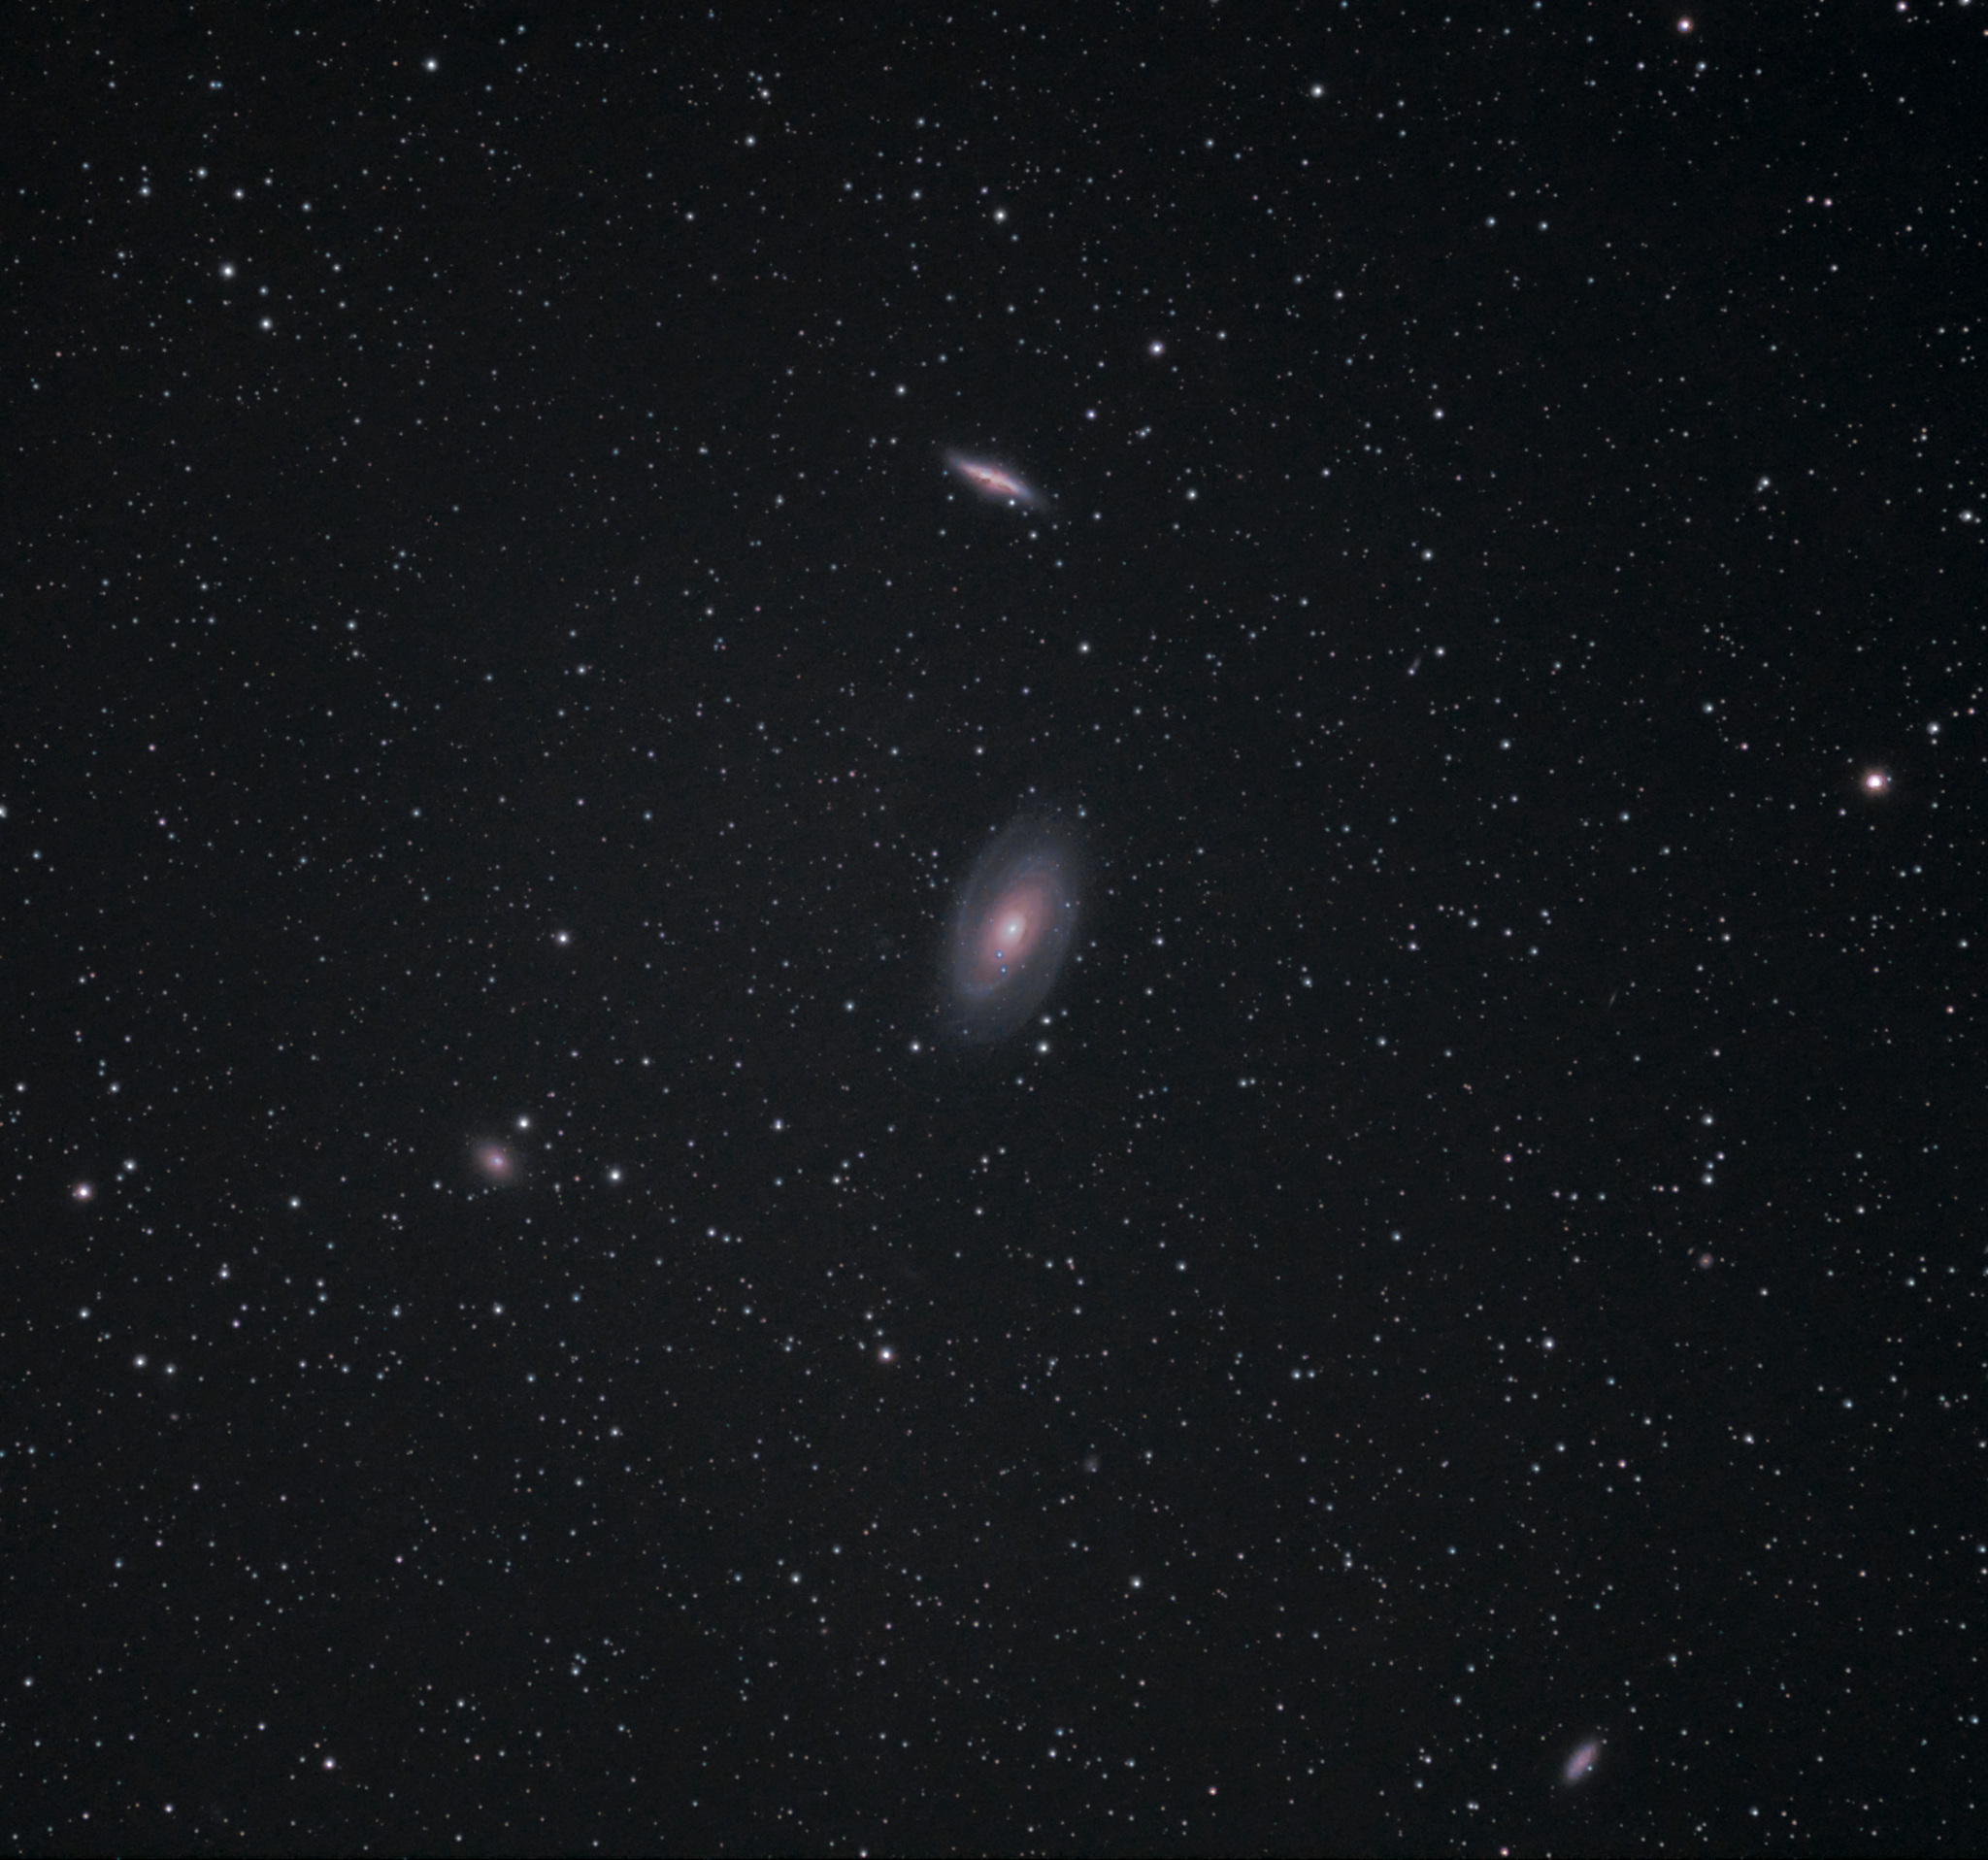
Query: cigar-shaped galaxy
[1014, 924]
[993, 481]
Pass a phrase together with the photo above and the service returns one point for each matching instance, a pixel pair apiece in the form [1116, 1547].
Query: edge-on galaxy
[993, 481]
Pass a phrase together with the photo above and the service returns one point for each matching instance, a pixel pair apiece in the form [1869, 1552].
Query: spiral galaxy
[1014, 925]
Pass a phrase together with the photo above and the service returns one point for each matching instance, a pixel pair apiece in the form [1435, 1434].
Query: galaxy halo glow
[1014, 926]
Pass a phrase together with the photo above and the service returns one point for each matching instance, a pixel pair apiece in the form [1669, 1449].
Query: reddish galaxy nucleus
[83, 1191]
[1015, 922]
[1014, 925]
[493, 1163]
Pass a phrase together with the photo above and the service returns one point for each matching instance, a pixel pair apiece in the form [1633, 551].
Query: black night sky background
[524, 1324]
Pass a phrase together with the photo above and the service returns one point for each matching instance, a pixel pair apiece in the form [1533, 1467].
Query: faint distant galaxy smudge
[991, 481]
[1014, 925]
[495, 1163]
[1582, 1762]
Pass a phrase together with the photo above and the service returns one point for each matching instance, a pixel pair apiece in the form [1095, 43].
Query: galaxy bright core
[1014, 927]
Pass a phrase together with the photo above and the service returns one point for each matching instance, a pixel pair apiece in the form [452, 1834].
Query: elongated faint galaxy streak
[991, 481]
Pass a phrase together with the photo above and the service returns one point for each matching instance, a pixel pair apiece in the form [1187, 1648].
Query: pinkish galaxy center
[1013, 928]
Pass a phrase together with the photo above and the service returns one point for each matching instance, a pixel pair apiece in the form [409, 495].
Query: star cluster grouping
[560, 569]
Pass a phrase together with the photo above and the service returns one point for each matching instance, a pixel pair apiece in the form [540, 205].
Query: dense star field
[542, 546]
